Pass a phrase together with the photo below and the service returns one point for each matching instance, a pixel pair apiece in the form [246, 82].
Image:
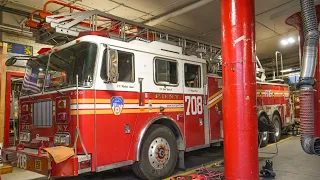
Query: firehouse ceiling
[197, 20]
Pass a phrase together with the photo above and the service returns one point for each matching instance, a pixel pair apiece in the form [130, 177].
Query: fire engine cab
[118, 103]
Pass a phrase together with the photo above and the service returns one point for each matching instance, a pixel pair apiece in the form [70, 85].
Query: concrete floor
[291, 163]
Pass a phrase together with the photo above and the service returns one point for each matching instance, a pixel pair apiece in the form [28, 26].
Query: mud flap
[262, 126]
[181, 164]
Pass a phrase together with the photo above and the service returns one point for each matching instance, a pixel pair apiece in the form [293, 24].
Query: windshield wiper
[27, 93]
[62, 93]
[63, 84]
[56, 89]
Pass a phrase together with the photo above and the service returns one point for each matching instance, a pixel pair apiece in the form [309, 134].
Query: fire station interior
[159, 89]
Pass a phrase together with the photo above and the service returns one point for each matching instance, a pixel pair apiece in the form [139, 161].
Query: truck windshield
[34, 76]
[66, 64]
[63, 67]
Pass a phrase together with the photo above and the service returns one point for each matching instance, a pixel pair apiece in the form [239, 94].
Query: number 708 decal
[194, 104]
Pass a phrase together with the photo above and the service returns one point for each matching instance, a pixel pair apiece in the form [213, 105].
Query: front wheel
[158, 156]
[263, 137]
[276, 135]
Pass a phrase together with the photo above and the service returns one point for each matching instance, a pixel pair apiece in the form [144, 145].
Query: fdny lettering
[62, 128]
[166, 96]
[25, 126]
[268, 93]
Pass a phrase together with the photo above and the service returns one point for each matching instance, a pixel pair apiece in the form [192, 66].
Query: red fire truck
[120, 103]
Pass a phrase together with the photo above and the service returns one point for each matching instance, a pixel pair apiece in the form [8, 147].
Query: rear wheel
[263, 137]
[158, 156]
[277, 129]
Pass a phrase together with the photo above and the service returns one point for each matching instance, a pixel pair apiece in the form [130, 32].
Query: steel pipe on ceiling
[178, 12]
[12, 30]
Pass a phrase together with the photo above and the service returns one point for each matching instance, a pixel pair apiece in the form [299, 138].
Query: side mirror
[112, 66]
[11, 61]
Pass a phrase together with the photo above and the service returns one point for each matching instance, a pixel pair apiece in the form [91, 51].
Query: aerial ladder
[57, 29]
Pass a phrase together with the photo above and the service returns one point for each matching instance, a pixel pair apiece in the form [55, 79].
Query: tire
[159, 153]
[263, 138]
[276, 121]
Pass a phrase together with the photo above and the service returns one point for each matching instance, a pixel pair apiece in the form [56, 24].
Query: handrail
[71, 7]
[281, 64]
[35, 24]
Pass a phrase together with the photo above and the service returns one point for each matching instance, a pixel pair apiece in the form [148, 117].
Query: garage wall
[23, 40]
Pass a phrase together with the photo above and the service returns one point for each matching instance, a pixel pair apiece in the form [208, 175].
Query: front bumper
[26, 158]
[36, 161]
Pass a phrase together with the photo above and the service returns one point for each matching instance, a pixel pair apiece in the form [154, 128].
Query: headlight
[62, 139]
[62, 116]
[24, 136]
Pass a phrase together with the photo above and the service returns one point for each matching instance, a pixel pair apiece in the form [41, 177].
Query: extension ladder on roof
[56, 29]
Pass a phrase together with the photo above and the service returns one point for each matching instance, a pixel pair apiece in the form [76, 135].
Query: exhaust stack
[310, 144]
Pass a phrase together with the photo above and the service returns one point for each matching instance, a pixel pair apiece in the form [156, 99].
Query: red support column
[239, 90]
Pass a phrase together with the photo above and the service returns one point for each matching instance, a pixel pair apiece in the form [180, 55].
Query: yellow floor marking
[281, 141]
[193, 170]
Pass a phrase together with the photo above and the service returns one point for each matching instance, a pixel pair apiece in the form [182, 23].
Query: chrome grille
[42, 113]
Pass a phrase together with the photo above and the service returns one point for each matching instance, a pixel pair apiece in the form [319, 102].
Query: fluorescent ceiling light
[284, 42]
[291, 40]
[287, 70]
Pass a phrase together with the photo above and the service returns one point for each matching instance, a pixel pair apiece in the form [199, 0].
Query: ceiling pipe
[240, 124]
[178, 12]
[16, 31]
[18, 12]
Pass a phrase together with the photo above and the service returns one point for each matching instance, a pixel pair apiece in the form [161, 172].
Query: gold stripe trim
[158, 101]
[264, 90]
[215, 102]
[276, 95]
[213, 96]
[125, 111]
[102, 101]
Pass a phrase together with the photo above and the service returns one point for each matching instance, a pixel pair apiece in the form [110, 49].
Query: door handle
[200, 122]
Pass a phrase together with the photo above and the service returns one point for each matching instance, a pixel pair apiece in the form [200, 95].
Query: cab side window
[125, 66]
[192, 75]
[165, 72]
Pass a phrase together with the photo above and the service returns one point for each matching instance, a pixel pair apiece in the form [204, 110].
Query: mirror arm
[12, 60]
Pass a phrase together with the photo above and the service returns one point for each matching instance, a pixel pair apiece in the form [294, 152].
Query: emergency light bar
[96, 33]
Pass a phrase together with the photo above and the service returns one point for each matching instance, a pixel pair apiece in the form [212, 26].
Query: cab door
[193, 105]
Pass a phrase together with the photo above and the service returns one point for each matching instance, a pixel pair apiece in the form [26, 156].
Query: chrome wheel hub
[277, 126]
[159, 153]
[265, 135]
